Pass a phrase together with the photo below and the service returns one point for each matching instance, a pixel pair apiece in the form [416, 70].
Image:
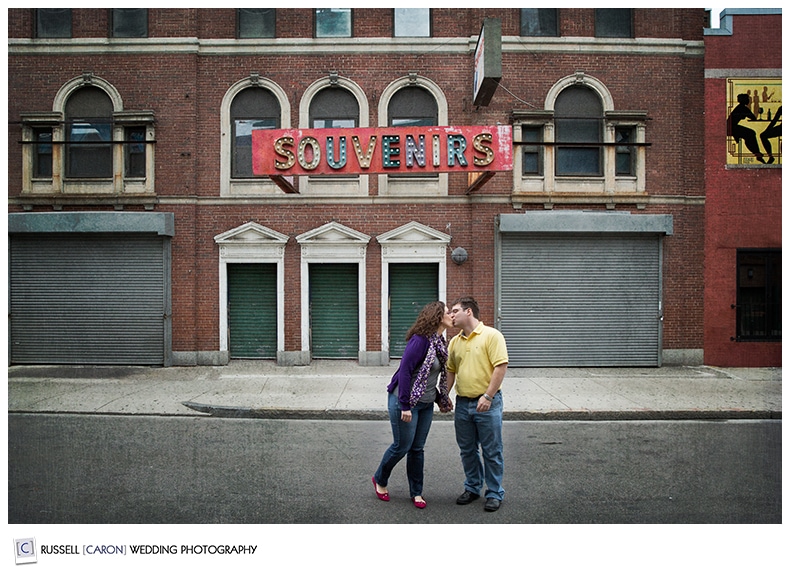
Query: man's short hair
[468, 303]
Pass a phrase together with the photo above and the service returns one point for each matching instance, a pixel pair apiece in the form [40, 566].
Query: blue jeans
[476, 432]
[408, 439]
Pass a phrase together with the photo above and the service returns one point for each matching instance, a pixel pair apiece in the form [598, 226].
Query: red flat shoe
[382, 495]
[419, 503]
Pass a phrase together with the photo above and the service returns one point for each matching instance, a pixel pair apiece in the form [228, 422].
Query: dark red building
[743, 181]
[139, 234]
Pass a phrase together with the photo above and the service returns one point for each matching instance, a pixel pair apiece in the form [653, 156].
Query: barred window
[759, 305]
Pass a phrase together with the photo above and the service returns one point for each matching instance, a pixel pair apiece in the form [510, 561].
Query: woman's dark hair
[428, 321]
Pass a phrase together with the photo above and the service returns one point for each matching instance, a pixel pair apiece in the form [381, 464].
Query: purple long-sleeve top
[410, 363]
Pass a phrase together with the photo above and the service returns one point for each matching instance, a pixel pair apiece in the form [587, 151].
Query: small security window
[412, 22]
[129, 22]
[53, 23]
[759, 305]
[532, 155]
[255, 22]
[333, 23]
[613, 23]
[539, 22]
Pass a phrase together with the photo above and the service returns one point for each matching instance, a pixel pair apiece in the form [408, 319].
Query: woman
[412, 392]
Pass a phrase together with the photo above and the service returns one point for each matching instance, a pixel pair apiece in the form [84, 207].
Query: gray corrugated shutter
[334, 310]
[581, 300]
[252, 310]
[412, 286]
[88, 298]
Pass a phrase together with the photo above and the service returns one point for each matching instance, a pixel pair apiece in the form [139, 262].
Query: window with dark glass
[624, 155]
[333, 23]
[53, 23]
[42, 158]
[89, 134]
[539, 22]
[129, 22]
[613, 23]
[334, 108]
[255, 22]
[252, 109]
[413, 106]
[134, 151]
[412, 22]
[532, 155]
[579, 132]
[759, 304]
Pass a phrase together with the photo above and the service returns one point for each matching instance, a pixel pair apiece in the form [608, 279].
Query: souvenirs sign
[383, 150]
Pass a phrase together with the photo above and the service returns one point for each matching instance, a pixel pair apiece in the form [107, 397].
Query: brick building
[743, 173]
[139, 233]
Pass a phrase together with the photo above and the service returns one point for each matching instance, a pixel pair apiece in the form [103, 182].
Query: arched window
[580, 143]
[89, 118]
[413, 100]
[334, 107]
[253, 108]
[579, 120]
[412, 106]
[88, 143]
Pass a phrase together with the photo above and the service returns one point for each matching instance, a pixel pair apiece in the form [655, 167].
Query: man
[476, 364]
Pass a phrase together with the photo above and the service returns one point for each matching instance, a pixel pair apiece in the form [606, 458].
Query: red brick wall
[744, 205]
[185, 92]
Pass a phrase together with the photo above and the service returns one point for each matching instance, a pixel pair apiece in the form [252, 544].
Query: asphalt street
[110, 469]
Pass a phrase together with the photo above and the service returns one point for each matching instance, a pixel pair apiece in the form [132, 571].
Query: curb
[644, 415]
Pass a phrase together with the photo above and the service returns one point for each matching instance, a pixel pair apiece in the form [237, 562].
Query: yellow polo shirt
[473, 358]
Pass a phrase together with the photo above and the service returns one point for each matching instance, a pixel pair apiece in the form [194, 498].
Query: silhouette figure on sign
[772, 131]
[740, 113]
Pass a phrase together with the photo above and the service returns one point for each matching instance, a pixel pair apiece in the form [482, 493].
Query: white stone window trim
[58, 183]
[333, 243]
[234, 187]
[413, 185]
[250, 243]
[410, 243]
[334, 185]
[605, 185]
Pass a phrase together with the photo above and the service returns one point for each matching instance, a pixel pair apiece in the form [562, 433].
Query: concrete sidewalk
[345, 390]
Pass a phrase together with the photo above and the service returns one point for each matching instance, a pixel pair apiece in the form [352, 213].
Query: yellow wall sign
[754, 121]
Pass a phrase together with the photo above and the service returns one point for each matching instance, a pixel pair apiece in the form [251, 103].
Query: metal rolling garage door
[88, 298]
[252, 310]
[412, 286]
[581, 299]
[334, 310]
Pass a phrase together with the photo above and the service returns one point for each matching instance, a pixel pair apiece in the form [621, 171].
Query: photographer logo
[25, 550]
